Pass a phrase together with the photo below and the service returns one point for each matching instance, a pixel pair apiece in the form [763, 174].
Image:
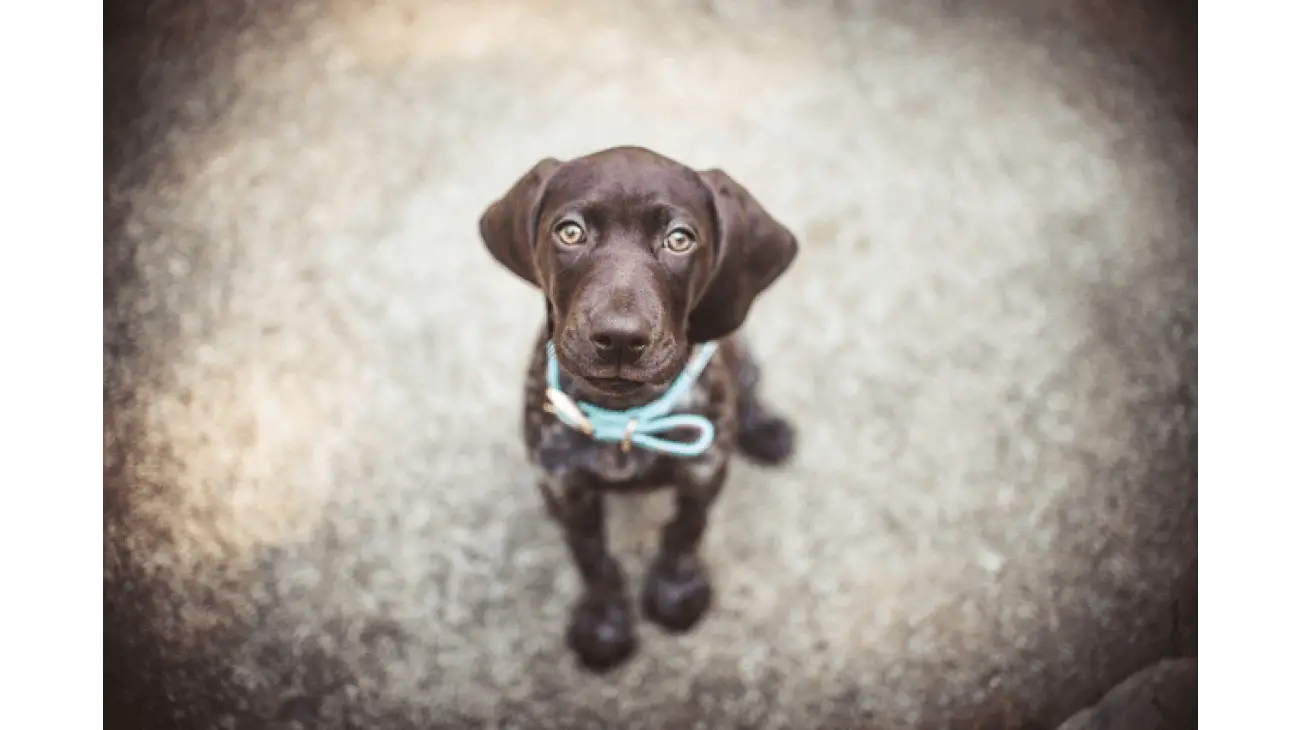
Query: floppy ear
[509, 225]
[753, 250]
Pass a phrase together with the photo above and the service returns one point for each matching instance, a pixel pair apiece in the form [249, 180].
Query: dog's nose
[621, 339]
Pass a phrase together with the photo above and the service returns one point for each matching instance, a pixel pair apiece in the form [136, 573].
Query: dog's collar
[636, 426]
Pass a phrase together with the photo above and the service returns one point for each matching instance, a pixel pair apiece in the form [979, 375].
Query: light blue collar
[636, 426]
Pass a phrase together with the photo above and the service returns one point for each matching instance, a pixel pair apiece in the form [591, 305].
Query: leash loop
[636, 426]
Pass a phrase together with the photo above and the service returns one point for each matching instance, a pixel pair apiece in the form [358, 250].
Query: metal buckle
[626, 444]
[561, 404]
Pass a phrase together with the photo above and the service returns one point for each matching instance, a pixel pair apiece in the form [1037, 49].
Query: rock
[1160, 697]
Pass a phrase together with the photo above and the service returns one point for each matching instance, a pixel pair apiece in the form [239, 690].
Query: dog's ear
[509, 225]
[753, 250]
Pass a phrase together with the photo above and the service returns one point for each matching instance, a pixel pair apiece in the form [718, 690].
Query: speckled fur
[575, 474]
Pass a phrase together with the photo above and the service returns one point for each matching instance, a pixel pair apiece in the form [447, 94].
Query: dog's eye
[679, 240]
[570, 234]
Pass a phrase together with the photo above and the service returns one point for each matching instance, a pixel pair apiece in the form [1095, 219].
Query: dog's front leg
[677, 592]
[600, 630]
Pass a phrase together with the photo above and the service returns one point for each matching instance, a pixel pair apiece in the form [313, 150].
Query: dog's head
[639, 258]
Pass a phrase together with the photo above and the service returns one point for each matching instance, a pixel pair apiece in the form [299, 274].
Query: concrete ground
[317, 507]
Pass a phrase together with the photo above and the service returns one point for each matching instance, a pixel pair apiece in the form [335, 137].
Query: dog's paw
[676, 594]
[601, 634]
[765, 438]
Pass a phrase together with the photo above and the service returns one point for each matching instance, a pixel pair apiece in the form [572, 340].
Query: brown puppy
[642, 260]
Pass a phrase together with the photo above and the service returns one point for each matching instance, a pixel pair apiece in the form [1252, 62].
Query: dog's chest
[563, 450]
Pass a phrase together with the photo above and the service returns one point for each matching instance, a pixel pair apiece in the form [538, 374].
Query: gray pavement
[988, 345]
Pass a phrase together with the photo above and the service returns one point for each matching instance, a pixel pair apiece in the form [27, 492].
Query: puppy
[639, 380]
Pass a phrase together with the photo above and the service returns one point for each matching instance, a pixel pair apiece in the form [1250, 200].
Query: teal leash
[636, 426]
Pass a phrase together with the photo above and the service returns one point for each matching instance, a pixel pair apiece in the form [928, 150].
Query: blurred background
[317, 509]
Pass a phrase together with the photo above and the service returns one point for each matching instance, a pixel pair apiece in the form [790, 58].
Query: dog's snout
[621, 339]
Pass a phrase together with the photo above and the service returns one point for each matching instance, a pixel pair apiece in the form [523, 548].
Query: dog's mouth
[614, 386]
